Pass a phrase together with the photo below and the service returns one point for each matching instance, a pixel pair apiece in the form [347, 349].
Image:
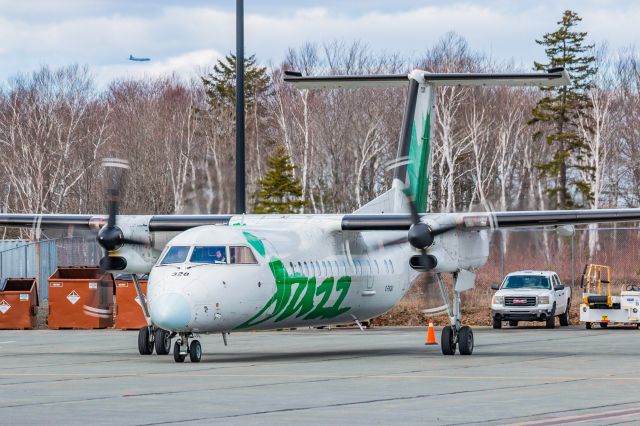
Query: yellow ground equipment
[599, 305]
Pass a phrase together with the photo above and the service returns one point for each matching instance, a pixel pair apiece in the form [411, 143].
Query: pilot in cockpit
[219, 257]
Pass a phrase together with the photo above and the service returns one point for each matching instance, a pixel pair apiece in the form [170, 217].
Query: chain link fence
[29, 259]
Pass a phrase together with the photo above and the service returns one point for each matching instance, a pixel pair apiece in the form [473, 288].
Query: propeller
[110, 237]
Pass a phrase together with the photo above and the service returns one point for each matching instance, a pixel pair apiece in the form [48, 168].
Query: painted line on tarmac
[581, 418]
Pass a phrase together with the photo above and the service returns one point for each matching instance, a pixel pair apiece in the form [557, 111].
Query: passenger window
[242, 255]
[293, 269]
[391, 266]
[337, 271]
[344, 267]
[209, 254]
[324, 268]
[176, 254]
[375, 262]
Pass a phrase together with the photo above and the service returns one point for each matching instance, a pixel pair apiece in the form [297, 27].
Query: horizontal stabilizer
[345, 81]
[555, 77]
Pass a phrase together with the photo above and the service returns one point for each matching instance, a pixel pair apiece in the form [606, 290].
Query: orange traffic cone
[431, 335]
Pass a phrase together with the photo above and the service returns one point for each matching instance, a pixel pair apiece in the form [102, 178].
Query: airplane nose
[171, 311]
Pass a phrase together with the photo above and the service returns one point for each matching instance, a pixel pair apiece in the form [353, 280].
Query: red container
[129, 315]
[18, 303]
[80, 297]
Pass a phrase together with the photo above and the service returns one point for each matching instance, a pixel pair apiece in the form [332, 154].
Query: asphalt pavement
[338, 376]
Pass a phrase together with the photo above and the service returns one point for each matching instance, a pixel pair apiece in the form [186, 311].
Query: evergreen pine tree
[279, 191]
[560, 108]
[220, 85]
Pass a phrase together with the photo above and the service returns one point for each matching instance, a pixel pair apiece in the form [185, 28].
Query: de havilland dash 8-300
[233, 273]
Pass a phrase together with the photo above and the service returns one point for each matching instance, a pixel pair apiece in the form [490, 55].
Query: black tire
[588, 325]
[447, 342]
[176, 352]
[564, 318]
[604, 324]
[465, 340]
[195, 351]
[551, 319]
[513, 323]
[145, 343]
[497, 323]
[162, 341]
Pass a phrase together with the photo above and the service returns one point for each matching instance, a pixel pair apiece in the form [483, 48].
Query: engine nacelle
[134, 259]
[130, 259]
[453, 251]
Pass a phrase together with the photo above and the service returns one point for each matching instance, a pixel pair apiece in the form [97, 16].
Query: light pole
[240, 167]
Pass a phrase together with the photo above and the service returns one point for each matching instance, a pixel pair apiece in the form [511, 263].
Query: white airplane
[233, 273]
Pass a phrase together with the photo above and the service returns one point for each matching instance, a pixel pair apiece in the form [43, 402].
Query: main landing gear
[456, 335]
[150, 338]
[182, 348]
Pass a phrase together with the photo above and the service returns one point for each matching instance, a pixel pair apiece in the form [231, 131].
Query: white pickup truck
[530, 296]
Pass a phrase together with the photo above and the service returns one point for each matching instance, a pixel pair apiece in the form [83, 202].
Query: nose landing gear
[182, 348]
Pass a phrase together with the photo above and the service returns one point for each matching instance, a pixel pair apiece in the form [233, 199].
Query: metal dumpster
[18, 303]
[129, 315]
[80, 297]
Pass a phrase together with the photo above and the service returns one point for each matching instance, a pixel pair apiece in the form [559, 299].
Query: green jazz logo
[295, 295]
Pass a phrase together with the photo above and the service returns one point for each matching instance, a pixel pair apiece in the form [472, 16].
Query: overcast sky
[183, 36]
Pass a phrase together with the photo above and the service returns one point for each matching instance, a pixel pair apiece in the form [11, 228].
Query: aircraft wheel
[162, 341]
[145, 343]
[465, 340]
[176, 352]
[513, 323]
[195, 351]
[447, 342]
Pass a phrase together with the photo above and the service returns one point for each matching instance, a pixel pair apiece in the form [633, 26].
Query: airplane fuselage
[298, 273]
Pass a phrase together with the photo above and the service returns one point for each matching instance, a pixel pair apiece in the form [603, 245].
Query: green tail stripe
[418, 167]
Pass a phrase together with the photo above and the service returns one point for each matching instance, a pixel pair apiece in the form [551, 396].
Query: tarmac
[339, 376]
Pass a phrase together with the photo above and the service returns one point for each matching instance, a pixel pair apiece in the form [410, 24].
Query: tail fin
[413, 163]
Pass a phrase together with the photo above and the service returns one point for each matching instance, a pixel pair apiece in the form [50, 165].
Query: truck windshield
[527, 281]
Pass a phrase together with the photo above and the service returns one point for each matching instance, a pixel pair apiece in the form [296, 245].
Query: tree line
[499, 148]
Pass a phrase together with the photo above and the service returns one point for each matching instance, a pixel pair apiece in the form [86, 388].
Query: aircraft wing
[553, 77]
[157, 223]
[475, 221]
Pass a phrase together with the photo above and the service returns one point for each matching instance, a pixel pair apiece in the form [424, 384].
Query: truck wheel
[551, 319]
[604, 324]
[497, 323]
[513, 323]
[564, 318]
[588, 325]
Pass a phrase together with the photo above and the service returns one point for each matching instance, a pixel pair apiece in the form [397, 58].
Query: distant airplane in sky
[132, 58]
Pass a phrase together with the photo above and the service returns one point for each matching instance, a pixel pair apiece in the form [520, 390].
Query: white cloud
[175, 35]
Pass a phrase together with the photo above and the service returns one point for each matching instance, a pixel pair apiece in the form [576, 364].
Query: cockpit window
[175, 254]
[241, 255]
[209, 254]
